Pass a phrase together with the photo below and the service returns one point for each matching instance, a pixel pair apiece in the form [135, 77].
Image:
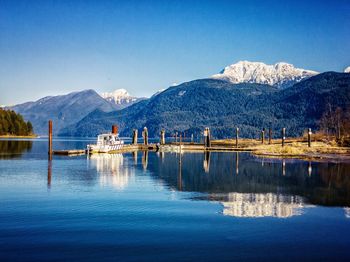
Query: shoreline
[14, 136]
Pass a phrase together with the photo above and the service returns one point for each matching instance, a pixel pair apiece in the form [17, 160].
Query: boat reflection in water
[112, 170]
[262, 205]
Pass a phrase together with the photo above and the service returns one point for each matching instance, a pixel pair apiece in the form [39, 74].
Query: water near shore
[166, 206]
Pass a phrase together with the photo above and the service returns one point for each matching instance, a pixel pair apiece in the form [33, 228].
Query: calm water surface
[166, 207]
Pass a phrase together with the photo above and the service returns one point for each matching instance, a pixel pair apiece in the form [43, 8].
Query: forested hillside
[12, 123]
[223, 106]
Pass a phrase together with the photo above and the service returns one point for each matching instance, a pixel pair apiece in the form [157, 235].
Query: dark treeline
[12, 123]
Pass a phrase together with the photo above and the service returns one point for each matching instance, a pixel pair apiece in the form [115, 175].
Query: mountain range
[249, 95]
[281, 75]
[223, 106]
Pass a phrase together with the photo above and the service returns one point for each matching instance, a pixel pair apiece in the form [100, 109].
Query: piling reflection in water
[134, 154]
[179, 178]
[237, 163]
[145, 160]
[206, 162]
[111, 169]
[49, 171]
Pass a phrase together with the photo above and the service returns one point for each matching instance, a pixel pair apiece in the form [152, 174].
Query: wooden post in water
[263, 136]
[283, 136]
[270, 135]
[207, 142]
[309, 137]
[162, 137]
[114, 129]
[50, 138]
[145, 136]
[237, 131]
[134, 137]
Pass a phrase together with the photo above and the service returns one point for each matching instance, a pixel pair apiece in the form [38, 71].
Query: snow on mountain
[281, 74]
[158, 92]
[119, 97]
[347, 70]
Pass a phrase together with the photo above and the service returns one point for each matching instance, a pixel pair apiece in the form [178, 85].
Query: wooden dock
[69, 152]
[154, 147]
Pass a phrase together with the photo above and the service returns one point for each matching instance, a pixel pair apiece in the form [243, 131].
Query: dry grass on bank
[300, 149]
[293, 147]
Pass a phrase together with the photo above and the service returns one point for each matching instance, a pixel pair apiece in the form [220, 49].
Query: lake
[169, 207]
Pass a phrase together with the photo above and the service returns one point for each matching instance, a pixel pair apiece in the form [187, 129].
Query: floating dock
[69, 152]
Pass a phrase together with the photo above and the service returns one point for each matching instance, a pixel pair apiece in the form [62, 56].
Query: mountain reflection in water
[262, 205]
[252, 187]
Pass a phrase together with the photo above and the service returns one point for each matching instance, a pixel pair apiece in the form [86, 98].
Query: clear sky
[55, 47]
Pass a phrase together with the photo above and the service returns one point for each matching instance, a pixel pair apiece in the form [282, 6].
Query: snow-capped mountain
[120, 97]
[280, 75]
[347, 70]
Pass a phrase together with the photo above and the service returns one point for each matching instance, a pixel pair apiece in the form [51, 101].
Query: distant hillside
[223, 106]
[14, 124]
[64, 110]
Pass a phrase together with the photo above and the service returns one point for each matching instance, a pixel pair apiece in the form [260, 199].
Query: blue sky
[55, 47]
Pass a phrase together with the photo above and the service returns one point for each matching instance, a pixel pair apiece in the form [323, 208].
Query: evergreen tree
[12, 123]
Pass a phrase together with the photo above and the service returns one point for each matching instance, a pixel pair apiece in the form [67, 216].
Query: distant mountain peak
[347, 70]
[280, 74]
[120, 97]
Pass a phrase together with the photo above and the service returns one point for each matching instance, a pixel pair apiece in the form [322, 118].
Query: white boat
[106, 143]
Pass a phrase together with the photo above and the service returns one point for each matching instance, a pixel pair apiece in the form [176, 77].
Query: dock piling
[145, 136]
[270, 136]
[309, 137]
[237, 131]
[50, 138]
[283, 136]
[114, 129]
[263, 136]
[134, 137]
[162, 137]
[207, 142]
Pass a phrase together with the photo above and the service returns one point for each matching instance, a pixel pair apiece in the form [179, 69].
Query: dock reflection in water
[111, 169]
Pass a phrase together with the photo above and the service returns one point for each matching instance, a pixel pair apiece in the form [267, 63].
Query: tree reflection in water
[14, 148]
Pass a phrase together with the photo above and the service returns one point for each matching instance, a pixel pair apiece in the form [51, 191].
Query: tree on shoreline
[335, 122]
[12, 123]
